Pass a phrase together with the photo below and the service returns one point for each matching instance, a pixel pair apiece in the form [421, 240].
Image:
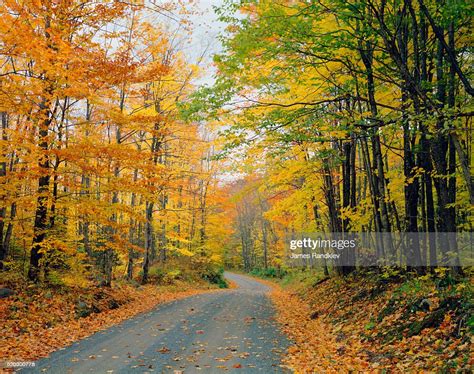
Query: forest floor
[371, 322]
[230, 330]
[36, 321]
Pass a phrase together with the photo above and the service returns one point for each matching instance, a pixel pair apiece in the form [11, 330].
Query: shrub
[214, 275]
[171, 276]
[156, 274]
[270, 272]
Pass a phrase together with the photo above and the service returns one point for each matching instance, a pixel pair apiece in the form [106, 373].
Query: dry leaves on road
[33, 327]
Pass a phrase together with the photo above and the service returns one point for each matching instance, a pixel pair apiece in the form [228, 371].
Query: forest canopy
[347, 117]
[328, 116]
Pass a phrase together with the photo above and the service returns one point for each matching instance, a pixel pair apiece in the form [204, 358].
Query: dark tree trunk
[41, 213]
[3, 208]
[411, 179]
[377, 175]
[132, 231]
[149, 235]
[148, 240]
[439, 152]
[348, 200]
[424, 154]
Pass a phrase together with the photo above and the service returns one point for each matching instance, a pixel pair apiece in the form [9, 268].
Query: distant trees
[252, 230]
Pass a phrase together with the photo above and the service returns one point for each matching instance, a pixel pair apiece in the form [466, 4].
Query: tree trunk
[41, 213]
[148, 240]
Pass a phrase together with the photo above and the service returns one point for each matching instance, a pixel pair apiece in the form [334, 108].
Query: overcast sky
[206, 30]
